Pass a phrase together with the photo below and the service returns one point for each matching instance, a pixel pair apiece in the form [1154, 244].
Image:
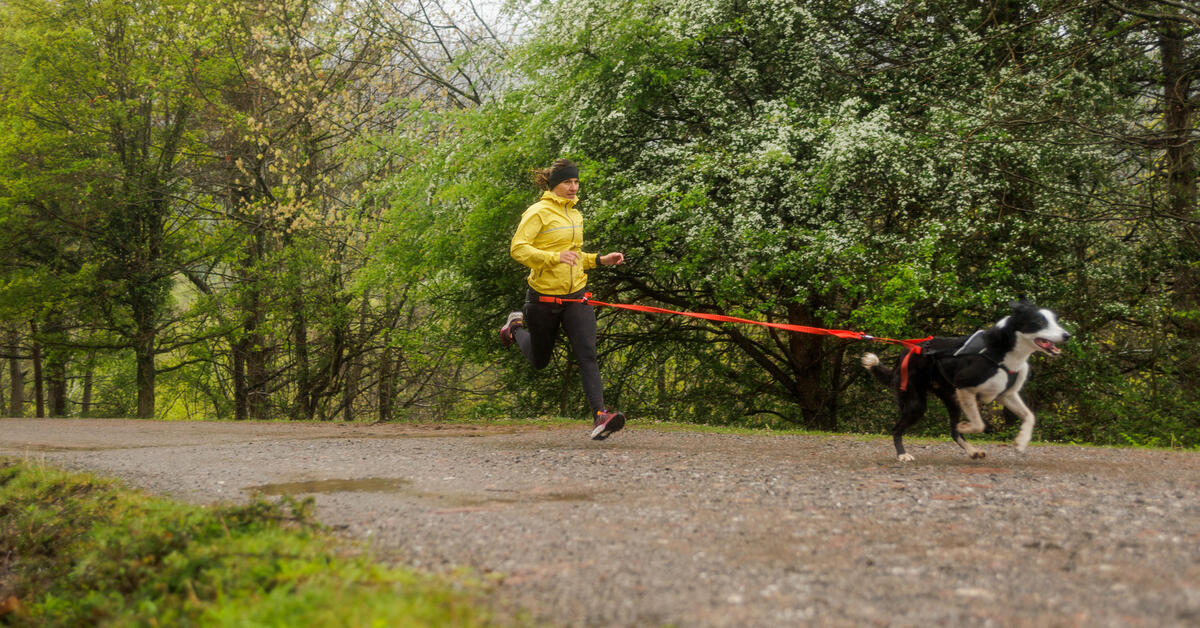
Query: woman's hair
[547, 178]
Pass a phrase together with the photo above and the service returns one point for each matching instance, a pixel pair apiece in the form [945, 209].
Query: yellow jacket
[550, 226]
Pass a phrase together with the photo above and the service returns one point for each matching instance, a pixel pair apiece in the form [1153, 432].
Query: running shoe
[515, 320]
[606, 423]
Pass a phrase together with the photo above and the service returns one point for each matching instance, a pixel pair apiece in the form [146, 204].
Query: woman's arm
[612, 259]
[521, 248]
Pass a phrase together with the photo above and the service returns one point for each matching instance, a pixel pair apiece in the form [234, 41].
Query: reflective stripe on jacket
[549, 227]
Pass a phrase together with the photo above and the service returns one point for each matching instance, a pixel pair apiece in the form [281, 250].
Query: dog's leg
[912, 408]
[1013, 402]
[970, 407]
[971, 451]
[969, 404]
[955, 413]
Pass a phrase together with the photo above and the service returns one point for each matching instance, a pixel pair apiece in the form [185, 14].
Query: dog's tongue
[1048, 346]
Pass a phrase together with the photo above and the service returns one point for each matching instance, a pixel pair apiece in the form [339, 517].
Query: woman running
[549, 241]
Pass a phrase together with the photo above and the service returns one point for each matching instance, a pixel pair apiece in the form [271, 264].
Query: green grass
[77, 550]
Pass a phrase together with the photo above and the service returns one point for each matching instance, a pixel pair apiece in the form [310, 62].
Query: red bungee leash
[911, 344]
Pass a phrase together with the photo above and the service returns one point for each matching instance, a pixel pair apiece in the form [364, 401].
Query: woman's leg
[538, 331]
[579, 321]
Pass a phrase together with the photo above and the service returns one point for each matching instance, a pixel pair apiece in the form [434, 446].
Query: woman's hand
[568, 257]
[612, 259]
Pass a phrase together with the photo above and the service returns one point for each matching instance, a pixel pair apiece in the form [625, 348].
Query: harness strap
[1012, 375]
[971, 346]
[904, 371]
[1012, 380]
[937, 359]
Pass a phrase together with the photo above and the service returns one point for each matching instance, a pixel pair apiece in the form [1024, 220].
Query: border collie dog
[966, 371]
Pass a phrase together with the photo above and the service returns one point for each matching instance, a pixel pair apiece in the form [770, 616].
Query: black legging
[540, 331]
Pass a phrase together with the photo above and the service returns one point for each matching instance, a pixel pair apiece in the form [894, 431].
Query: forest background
[301, 210]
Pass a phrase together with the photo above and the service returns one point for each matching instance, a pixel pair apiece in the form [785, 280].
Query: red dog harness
[904, 370]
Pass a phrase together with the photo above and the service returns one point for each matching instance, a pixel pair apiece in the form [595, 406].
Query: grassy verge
[80, 550]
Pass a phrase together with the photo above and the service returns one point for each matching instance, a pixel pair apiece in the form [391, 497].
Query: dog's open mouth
[1047, 346]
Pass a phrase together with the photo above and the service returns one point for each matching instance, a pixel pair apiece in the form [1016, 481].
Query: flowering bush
[890, 171]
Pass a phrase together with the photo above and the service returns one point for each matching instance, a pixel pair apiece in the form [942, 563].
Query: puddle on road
[546, 497]
[353, 485]
[404, 487]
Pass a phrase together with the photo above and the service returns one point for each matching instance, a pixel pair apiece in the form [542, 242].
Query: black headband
[562, 173]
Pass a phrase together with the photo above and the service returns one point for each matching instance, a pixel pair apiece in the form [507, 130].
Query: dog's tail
[871, 362]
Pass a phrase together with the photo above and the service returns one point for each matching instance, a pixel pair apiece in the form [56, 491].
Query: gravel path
[655, 527]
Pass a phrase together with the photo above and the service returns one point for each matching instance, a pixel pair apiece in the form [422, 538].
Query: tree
[298, 142]
[101, 101]
[1165, 37]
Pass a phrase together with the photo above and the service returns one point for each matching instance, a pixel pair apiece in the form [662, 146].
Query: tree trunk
[1181, 196]
[353, 366]
[304, 405]
[144, 354]
[38, 393]
[237, 359]
[250, 353]
[386, 387]
[56, 381]
[16, 377]
[256, 379]
[350, 389]
[249, 369]
[56, 365]
[806, 352]
[85, 406]
[1178, 75]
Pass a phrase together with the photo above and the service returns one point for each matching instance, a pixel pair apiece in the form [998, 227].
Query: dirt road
[654, 527]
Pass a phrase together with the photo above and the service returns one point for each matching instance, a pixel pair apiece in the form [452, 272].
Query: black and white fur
[966, 379]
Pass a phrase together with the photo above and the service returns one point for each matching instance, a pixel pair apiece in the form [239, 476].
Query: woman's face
[567, 189]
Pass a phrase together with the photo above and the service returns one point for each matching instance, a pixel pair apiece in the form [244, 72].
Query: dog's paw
[978, 455]
[906, 458]
[870, 360]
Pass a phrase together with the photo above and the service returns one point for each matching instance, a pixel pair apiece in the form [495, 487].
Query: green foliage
[99, 114]
[335, 231]
[1097, 400]
[875, 170]
[83, 551]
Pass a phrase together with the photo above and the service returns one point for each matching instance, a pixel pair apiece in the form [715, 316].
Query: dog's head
[1038, 327]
